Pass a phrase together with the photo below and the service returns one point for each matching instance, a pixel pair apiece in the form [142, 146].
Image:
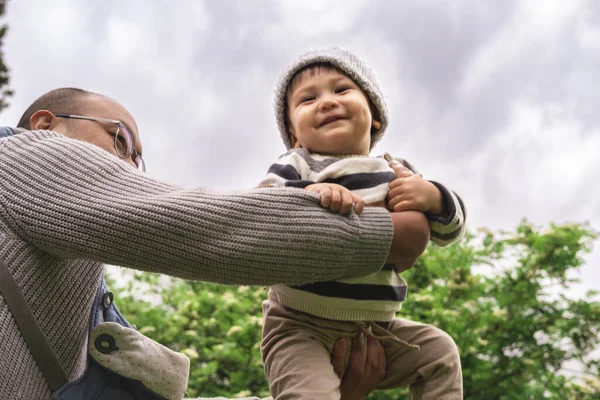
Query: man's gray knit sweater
[67, 207]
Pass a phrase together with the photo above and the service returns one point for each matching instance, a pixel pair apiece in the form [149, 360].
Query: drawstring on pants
[367, 329]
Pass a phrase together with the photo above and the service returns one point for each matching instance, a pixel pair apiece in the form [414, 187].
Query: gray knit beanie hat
[346, 62]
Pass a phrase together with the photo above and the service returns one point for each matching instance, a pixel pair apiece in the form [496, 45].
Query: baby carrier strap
[34, 337]
[122, 363]
[6, 131]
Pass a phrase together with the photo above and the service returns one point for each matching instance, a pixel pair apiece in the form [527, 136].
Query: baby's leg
[432, 372]
[297, 355]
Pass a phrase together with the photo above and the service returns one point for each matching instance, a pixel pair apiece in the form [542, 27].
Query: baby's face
[329, 113]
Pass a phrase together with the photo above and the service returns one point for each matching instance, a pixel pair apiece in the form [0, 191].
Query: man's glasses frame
[123, 138]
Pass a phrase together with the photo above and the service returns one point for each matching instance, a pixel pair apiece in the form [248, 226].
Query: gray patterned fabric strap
[34, 337]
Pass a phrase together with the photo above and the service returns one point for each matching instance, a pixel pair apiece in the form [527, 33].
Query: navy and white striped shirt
[374, 297]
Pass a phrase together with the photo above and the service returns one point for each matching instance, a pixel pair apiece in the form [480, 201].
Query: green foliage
[501, 296]
[217, 327]
[4, 78]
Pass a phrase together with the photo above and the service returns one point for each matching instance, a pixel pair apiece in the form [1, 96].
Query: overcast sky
[499, 100]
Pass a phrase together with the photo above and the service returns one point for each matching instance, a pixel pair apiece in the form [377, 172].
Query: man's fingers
[372, 352]
[337, 357]
[382, 364]
[358, 355]
[365, 368]
[375, 357]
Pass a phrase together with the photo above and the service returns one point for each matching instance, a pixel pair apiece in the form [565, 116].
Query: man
[74, 196]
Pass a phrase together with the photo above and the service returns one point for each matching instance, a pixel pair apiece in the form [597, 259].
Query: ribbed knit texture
[68, 206]
[345, 61]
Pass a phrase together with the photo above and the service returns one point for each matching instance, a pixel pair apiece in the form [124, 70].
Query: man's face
[99, 133]
[329, 113]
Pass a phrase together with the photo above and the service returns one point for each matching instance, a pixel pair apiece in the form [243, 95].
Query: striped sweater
[377, 296]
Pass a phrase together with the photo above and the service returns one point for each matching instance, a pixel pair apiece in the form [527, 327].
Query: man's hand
[411, 192]
[366, 367]
[337, 198]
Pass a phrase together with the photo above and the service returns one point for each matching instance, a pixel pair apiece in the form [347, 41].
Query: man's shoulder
[17, 139]
[20, 134]
[8, 131]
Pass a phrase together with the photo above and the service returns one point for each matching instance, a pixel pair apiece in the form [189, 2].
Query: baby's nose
[327, 103]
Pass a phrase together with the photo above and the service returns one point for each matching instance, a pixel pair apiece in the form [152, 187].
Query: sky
[496, 99]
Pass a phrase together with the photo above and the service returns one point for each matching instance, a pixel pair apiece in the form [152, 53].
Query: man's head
[44, 114]
[329, 101]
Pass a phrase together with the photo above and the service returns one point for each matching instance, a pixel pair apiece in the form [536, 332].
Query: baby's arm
[444, 209]
[411, 236]
[449, 225]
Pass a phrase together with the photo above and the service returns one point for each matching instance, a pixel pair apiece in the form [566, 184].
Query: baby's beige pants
[296, 350]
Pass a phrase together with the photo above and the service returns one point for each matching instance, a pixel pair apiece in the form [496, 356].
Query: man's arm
[74, 200]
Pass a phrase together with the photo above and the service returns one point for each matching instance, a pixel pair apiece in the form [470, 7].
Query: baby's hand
[411, 192]
[337, 198]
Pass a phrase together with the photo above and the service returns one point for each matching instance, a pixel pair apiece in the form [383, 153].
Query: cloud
[533, 32]
[496, 99]
[541, 164]
[334, 17]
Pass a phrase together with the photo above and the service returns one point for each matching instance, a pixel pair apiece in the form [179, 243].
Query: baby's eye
[306, 99]
[342, 89]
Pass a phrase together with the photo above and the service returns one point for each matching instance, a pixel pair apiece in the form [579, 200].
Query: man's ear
[42, 120]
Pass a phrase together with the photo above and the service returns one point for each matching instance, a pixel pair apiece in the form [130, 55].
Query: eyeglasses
[123, 138]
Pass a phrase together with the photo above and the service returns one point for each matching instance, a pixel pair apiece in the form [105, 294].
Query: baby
[331, 113]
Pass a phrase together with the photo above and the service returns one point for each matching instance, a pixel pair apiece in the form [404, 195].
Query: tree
[500, 295]
[5, 93]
